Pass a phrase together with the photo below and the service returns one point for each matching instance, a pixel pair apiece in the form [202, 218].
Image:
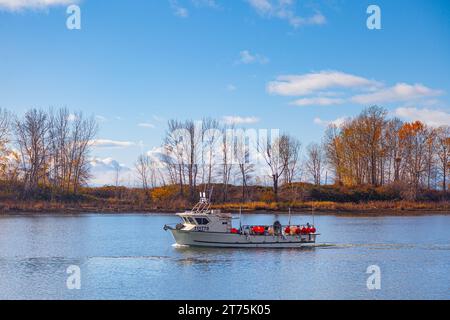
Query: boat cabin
[212, 221]
[203, 218]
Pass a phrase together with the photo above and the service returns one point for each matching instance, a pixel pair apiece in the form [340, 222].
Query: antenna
[210, 193]
[240, 218]
[289, 216]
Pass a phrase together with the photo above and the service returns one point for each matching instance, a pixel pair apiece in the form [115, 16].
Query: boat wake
[176, 245]
[383, 246]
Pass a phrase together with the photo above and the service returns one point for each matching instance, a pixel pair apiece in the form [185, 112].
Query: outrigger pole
[240, 218]
[210, 193]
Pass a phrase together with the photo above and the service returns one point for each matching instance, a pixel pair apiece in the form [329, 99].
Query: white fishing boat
[205, 227]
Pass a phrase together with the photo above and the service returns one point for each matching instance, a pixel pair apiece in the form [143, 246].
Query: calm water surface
[131, 257]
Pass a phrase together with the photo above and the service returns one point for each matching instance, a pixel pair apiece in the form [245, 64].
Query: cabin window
[190, 220]
[202, 221]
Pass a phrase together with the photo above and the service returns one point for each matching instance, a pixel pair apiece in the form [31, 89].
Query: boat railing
[270, 229]
[203, 205]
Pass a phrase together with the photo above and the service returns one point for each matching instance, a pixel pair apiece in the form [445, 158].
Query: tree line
[51, 149]
[368, 150]
[46, 148]
[372, 149]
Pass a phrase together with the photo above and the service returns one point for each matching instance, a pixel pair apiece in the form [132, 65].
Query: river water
[131, 257]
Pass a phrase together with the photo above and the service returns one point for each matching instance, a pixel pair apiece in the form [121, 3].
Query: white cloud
[327, 88]
[156, 154]
[431, 117]
[285, 10]
[246, 57]
[178, 10]
[106, 143]
[146, 125]
[231, 87]
[205, 3]
[104, 172]
[106, 164]
[301, 85]
[239, 120]
[101, 118]
[337, 122]
[262, 6]
[158, 118]
[17, 5]
[317, 101]
[399, 92]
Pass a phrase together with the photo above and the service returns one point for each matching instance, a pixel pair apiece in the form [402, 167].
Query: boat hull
[229, 240]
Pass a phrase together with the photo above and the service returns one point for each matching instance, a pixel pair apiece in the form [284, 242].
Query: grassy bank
[300, 198]
[326, 207]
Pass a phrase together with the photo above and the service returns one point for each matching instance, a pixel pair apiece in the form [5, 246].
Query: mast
[240, 218]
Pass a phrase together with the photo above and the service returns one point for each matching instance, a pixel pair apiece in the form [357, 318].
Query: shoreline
[361, 210]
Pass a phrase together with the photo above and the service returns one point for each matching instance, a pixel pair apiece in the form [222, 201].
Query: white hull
[229, 240]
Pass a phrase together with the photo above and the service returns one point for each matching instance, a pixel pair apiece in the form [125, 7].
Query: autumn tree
[333, 151]
[414, 137]
[443, 152]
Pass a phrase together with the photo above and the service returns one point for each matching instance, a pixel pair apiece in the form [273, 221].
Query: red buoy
[313, 230]
[234, 230]
[258, 230]
[304, 230]
[287, 230]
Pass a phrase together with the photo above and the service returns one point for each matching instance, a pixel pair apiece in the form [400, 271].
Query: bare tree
[86, 130]
[242, 155]
[191, 146]
[173, 156]
[274, 153]
[70, 137]
[144, 170]
[32, 141]
[227, 159]
[314, 162]
[211, 135]
[291, 158]
[59, 137]
[5, 153]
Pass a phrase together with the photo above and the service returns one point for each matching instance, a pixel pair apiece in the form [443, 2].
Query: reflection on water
[131, 257]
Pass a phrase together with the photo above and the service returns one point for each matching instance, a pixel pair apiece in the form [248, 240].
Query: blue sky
[292, 65]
